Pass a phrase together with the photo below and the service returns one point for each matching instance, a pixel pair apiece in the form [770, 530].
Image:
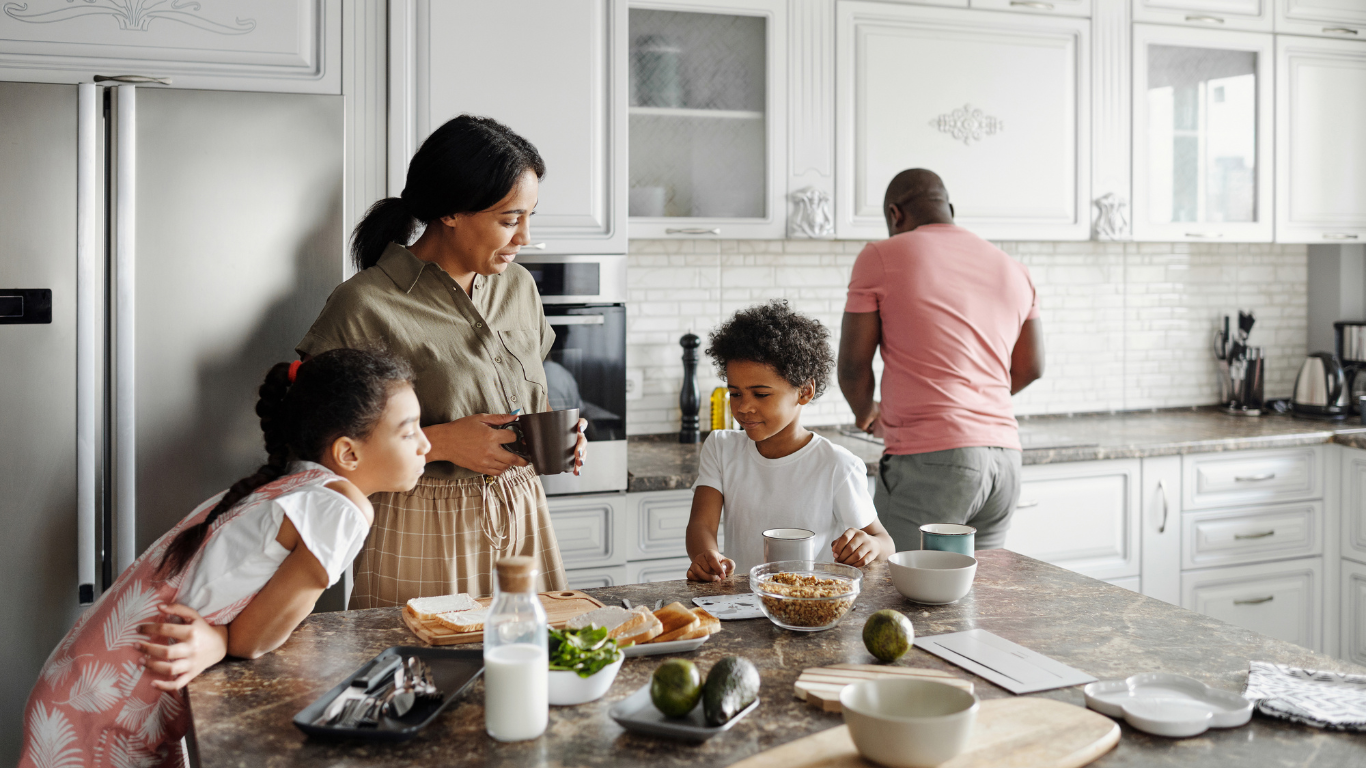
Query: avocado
[732, 684]
[675, 687]
[888, 634]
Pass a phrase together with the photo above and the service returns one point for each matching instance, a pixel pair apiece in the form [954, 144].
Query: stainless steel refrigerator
[160, 249]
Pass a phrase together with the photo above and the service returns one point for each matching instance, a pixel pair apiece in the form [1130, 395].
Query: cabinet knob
[1205, 19]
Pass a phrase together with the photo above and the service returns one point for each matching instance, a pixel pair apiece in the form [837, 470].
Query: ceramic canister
[948, 537]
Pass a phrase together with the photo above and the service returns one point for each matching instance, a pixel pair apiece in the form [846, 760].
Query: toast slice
[652, 629]
[428, 608]
[463, 621]
[618, 621]
[706, 624]
[677, 621]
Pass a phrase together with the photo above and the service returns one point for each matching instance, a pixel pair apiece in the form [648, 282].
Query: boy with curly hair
[773, 473]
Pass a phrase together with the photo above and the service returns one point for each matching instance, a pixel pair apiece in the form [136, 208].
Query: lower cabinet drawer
[1283, 600]
[1252, 477]
[658, 524]
[1232, 536]
[591, 578]
[587, 529]
[646, 571]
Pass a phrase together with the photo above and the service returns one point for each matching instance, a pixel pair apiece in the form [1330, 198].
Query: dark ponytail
[341, 393]
[465, 166]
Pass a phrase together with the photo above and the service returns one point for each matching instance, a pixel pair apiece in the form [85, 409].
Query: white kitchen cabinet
[1330, 18]
[1283, 599]
[589, 529]
[1352, 634]
[1083, 516]
[1232, 536]
[593, 578]
[554, 74]
[1202, 135]
[1353, 504]
[657, 524]
[1009, 132]
[708, 118]
[1240, 478]
[1046, 7]
[648, 571]
[1160, 521]
[1320, 125]
[1251, 15]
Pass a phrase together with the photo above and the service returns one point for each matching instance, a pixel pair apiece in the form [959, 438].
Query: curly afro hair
[796, 346]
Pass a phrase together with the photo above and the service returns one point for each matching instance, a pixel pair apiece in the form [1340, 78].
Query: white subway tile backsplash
[1126, 325]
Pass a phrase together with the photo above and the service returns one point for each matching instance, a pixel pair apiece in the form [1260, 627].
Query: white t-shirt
[241, 556]
[821, 487]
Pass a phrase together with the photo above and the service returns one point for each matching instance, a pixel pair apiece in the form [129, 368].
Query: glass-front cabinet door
[706, 129]
[1202, 135]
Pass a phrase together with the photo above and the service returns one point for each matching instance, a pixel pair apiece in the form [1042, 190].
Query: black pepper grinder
[690, 398]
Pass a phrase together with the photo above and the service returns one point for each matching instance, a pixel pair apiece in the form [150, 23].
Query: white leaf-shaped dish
[1165, 704]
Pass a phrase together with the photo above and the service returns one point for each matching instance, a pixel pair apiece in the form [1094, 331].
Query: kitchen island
[242, 709]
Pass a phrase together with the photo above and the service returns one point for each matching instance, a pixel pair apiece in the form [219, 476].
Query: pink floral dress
[93, 705]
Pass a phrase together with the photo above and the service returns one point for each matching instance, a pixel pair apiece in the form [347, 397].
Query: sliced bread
[427, 608]
[706, 625]
[677, 621]
[463, 621]
[647, 632]
[618, 621]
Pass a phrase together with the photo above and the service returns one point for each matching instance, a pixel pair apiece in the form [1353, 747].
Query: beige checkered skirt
[444, 536]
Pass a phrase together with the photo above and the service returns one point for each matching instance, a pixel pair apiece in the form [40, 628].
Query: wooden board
[820, 686]
[1021, 732]
[560, 607]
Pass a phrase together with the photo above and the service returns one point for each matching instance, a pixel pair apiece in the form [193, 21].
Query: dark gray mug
[547, 440]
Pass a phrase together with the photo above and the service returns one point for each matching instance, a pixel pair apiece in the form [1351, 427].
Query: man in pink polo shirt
[958, 324]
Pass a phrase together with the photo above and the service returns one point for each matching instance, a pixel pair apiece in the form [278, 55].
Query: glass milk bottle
[516, 659]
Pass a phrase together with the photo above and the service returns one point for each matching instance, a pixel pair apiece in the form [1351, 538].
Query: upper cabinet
[1249, 15]
[1046, 7]
[555, 78]
[1320, 155]
[1004, 121]
[1344, 19]
[1202, 135]
[707, 106]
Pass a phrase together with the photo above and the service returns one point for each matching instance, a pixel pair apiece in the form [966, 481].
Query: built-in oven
[585, 303]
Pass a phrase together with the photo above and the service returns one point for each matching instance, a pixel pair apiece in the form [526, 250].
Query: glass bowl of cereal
[803, 595]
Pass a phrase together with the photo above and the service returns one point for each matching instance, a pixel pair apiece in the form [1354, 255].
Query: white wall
[1127, 325]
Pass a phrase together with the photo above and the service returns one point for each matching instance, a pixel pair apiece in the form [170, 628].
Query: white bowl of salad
[583, 664]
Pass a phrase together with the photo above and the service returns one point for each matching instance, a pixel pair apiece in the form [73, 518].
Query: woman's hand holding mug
[475, 442]
[581, 446]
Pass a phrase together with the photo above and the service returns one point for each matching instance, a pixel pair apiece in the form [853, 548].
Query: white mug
[789, 544]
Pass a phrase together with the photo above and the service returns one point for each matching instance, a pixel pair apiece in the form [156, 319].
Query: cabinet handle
[1206, 19]
[1254, 478]
[1255, 600]
[134, 79]
[1339, 236]
[1031, 4]
[1027, 504]
[1261, 535]
[1204, 234]
[693, 231]
[1340, 31]
[1162, 489]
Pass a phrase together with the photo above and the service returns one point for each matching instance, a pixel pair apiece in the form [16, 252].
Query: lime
[888, 634]
[675, 687]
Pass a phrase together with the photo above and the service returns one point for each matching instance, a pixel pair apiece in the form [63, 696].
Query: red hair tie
[294, 370]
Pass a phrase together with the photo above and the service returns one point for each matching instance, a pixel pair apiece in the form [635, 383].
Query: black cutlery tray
[453, 671]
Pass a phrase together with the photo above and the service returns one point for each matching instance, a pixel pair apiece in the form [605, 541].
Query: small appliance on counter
[1320, 388]
[1242, 368]
[1349, 338]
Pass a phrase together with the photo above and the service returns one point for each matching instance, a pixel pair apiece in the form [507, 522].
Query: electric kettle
[1320, 388]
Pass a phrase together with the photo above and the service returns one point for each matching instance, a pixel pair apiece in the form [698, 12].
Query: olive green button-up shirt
[471, 354]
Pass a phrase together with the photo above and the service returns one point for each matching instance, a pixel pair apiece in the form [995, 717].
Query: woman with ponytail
[239, 573]
[469, 320]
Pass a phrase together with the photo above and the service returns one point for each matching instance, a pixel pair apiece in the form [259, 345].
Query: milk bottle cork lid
[516, 574]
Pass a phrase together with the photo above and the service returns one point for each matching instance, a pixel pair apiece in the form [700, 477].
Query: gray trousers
[968, 486]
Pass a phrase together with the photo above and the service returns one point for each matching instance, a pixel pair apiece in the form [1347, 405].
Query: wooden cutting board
[820, 686]
[560, 607]
[1022, 732]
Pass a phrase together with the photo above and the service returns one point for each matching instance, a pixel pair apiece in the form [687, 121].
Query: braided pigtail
[271, 408]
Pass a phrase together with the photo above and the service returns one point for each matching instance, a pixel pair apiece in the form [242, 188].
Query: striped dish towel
[1331, 700]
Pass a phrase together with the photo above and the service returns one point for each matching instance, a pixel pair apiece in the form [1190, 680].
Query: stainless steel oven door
[586, 369]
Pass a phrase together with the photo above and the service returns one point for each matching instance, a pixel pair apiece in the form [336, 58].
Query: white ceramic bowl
[908, 723]
[932, 577]
[568, 688]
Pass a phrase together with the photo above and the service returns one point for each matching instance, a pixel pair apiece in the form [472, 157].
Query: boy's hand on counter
[855, 547]
[710, 566]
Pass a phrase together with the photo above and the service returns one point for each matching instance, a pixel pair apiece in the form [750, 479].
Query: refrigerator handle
[89, 287]
[125, 219]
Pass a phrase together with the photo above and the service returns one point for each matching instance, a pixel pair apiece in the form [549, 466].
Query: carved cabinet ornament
[968, 124]
[130, 14]
[812, 215]
[1111, 223]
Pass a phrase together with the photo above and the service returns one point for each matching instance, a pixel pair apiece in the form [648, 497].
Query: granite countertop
[660, 463]
[242, 709]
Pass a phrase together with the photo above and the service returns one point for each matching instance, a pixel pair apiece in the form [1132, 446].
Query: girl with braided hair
[239, 573]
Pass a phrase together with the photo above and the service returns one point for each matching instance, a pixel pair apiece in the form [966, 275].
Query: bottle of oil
[720, 409]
